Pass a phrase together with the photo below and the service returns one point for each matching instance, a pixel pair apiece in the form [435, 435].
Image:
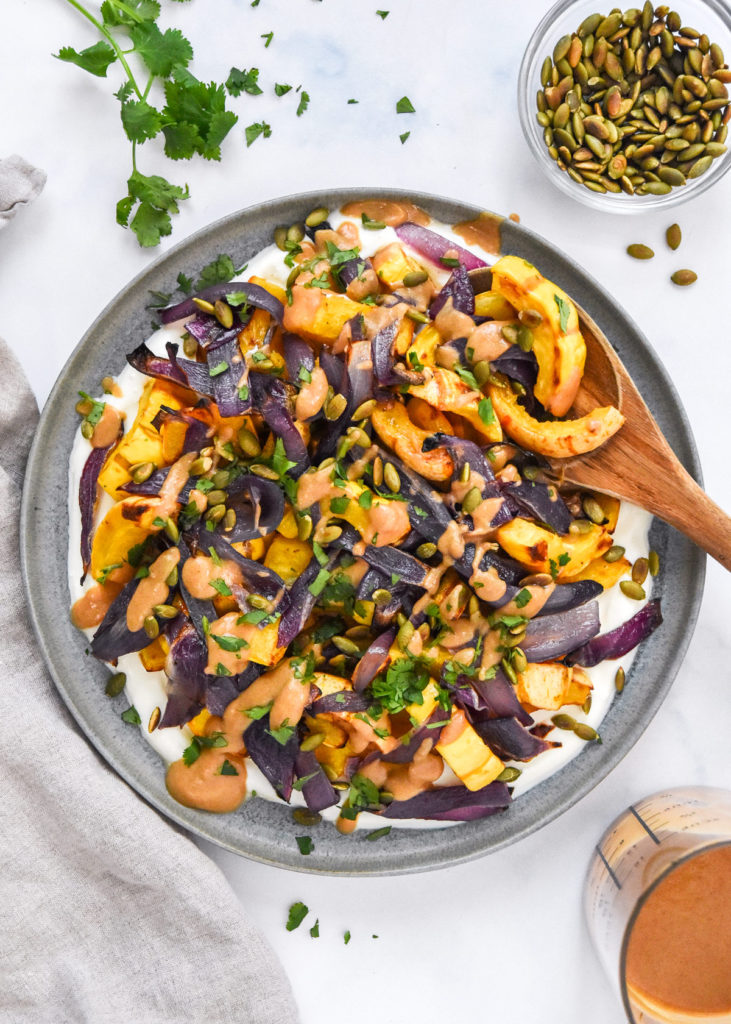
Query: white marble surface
[501, 938]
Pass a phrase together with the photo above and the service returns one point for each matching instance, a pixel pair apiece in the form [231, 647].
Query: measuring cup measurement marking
[644, 824]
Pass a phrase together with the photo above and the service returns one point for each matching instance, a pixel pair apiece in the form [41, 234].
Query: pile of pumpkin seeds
[635, 102]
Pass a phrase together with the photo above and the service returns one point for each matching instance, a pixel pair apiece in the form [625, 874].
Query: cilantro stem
[110, 39]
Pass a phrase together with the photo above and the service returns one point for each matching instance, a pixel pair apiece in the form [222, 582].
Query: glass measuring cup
[657, 905]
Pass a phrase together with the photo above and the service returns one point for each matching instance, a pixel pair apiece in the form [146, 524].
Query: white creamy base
[146, 690]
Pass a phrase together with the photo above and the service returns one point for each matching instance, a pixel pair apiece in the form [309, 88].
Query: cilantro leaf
[94, 59]
[282, 90]
[161, 51]
[182, 140]
[315, 929]
[131, 716]
[522, 598]
[258, 711]
[195, 103]
[564, 311]
[405, 106]
[253, 617]
[218, 271]
[97, 409]
[222, 587]
[156, 191]
[230, 643]
[319, 583]
[283, 734]
[221, 669]
[140, 120]
[339, 505]
[218, 369]
[404, 136]
[185, 284]
[346, 937]
[487, 414]
[402, 684]
[253, 131]
[297, 913]
[150, 225]
[383, 14]
[267, 36]
[279, 461]
[306, 846]
[240, 81]
[466, 376]
[227, 768]
[303, 103]
[366, 499]
[192, 753]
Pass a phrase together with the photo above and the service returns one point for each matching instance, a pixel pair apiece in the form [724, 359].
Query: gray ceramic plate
[263, 830]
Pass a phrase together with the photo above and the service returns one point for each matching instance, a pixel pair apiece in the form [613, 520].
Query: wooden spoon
[637, 464]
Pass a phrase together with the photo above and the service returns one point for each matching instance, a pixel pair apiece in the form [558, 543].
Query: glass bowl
[712, 17]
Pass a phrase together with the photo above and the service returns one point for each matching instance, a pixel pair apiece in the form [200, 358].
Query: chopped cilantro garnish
[267, 37]
[306, 846]
[404, 136]
[297, 913]
[230, 643]
[253, 131]
[283, 734]
[244, 392]
[564, 311]
[372, 225]
[402, 684]
[303, 103]
[131, 716]
[521, 599]
[382, 14]
[221, 587]
[315, 929]
[254, 617]
[405, 106]
[487, 414]
[319, 583]
[449, 261]
[97, 409]
[281, 89]
[300, 783]
[214, 556]
[227, 769]
[466, 376]
[258, 711]
[346, 937]
[564, 558]
[304, 375]
[339, 505]
[366, 499]
[219, 368]
[244, 81]
[319, 554]
[221, 670]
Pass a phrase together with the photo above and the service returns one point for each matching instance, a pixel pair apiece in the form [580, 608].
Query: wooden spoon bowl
[637, 464]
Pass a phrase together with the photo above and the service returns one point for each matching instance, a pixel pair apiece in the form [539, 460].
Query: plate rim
[376, 864]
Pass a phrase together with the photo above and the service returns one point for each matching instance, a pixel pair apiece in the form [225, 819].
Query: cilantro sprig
[193, 119]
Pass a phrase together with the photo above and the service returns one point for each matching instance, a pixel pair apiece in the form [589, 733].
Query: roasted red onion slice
[452, 803]
[551, 636]
[432, 245]
[88, 500]
[619, 641]
[255, 296]
[275, 760]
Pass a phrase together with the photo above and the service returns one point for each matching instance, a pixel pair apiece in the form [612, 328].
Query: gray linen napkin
[20, 184]
[109, 915]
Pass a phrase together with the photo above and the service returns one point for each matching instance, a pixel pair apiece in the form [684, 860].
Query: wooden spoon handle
[689, 509]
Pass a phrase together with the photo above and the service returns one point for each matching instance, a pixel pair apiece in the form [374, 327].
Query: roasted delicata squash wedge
[551, 685]
[557, 341]
[319, 316]
[393, 426]
[446, 391]
[556, 439]
[540, 550]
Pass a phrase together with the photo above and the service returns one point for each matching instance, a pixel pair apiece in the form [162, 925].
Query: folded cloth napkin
[20, 184]
[109, 914]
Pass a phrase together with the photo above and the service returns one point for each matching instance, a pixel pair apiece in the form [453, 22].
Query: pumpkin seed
[579, 526]
[546, 71]
[304, 816]
[381, 597]
[592, 509]
[280, 237]
[530, 317]
[426, 550]
[142, 471]
[115, 684]
[482, 372]
[404, 635]
[653, 563]
[204, 306]
[619, 680]
[224, 313]
[377, 471]
[564, 721]
[673, 236]
[465, 473]
[314, 219]
[365, 409]
[330, 533]
[520, 662]
[417, 315]
[391, 478]
[87, 430]
[304, 527]
[586, 706]
[229, 520]
[640, 252]
[509, 671]
[216, 498]
[683, 277]
[525, 338]
[632, 590]
[172, 577]
[248, 442]
[415, 278]
[471, 500]
[201, 465]
[336, 407]
[585, 732]
[345, 645]
[215, 514]
[151, 627]
[640, 570]
[154, 720]
[614, 553]
[509, 774]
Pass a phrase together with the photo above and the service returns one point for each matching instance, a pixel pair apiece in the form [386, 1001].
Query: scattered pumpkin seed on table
[684, 277]
[635, 102]
[640, 252]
